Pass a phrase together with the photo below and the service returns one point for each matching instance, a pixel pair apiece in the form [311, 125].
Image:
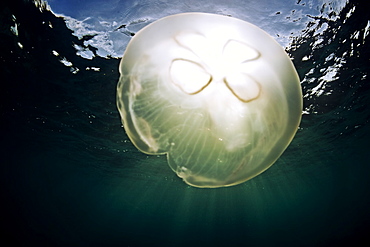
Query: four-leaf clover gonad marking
[229, 65]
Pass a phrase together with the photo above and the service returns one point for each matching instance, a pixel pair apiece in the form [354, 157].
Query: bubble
[216, 94]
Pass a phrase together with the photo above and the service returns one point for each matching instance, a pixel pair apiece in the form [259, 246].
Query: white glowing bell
[216, 94]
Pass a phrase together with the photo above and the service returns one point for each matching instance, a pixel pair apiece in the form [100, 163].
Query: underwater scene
[74, 174]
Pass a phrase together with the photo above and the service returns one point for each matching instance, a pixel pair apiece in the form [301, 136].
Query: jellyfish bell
[216, 94]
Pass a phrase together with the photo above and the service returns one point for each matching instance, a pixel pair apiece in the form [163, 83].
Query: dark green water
[70, 177]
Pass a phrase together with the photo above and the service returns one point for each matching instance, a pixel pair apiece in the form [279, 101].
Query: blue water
[70, 176]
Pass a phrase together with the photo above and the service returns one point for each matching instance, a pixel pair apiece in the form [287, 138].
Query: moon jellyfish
[217, 95]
